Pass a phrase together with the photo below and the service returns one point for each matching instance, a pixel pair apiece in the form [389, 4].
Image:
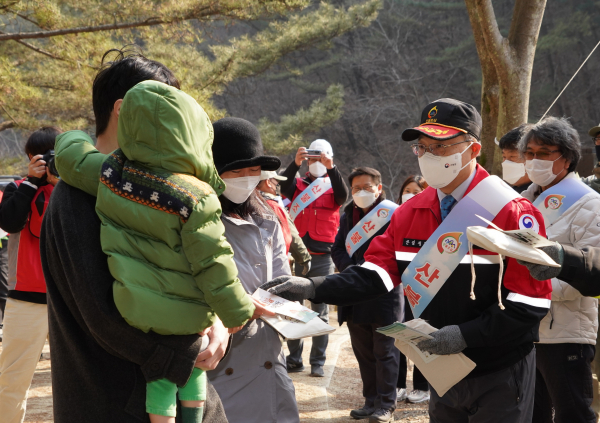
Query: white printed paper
[283, 307]
[410, 336]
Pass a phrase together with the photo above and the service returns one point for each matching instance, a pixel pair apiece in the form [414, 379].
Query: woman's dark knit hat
[237, 145]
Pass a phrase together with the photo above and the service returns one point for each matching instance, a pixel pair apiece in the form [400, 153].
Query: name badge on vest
[445, 248]
[556, 200]
[369, 225]
[319, 187]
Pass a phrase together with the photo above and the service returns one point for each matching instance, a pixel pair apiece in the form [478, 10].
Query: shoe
[418, 396]
[382, 415]
[362, 413]
[317, 371]
[295, 368]
[401, 394]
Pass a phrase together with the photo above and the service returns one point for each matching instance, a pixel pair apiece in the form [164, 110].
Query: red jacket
[283, 223]
[321, 218]
[21, 212]
[495, 338]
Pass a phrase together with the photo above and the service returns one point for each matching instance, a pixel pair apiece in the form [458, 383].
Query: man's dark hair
[41, 140]
[358, 171]
[510, 140]
[127, 69]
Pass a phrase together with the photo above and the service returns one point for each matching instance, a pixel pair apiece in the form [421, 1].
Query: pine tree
[50, 51]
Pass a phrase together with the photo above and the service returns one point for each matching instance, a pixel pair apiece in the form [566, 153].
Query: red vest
[321, 219]
[283, 223]
[30, 277]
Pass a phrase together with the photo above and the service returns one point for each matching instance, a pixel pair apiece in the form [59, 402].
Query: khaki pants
[25, 331]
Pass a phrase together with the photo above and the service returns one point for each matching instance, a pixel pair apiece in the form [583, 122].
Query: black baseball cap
[445, 119]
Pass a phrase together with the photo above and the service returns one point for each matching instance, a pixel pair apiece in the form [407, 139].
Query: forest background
[372, 82]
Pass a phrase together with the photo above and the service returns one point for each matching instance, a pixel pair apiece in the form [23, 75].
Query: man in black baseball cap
[494, 322]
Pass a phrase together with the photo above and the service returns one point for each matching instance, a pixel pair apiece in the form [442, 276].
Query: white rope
[573, 77]
[500, 282]
[472, 294]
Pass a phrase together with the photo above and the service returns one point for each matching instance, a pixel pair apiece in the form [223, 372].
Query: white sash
[444, 250]
[310, 194]
[369, 225]
[555, 201]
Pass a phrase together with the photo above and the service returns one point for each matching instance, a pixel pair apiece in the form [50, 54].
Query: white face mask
[540, 171]
[406, 197]
[317, 169]
[364, 199]
[512, 171]
[440, 171]
[237, 190]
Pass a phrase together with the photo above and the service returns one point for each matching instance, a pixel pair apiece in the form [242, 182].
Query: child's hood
[163, 127]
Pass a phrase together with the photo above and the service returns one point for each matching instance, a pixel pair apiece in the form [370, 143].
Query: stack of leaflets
[522, 244]
[441, 371]
[293, 320]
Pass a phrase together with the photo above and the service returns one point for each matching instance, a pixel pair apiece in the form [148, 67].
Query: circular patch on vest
[527, 221]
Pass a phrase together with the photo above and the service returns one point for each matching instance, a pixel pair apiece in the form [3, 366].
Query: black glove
[292, 288]
[542, 272]
[447, 340]
[38, 182]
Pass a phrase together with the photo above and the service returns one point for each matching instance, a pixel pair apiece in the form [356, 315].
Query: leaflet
[283, 307]
[526, 236]
[403, 333]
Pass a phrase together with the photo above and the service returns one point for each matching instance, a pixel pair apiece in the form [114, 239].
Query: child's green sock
[192, 415]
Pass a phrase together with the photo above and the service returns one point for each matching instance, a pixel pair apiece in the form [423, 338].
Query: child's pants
[161, 395]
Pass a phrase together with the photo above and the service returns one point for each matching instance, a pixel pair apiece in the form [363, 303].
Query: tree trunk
[506, 64]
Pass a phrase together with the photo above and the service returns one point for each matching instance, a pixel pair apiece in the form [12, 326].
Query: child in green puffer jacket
[157, 198]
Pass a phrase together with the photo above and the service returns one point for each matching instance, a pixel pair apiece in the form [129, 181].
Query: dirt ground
[320, 400]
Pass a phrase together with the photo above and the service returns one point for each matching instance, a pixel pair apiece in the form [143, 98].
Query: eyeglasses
[596, 138]
[435, 149]
[540, 155]
[370, 188]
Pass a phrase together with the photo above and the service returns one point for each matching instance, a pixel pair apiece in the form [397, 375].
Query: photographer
[26, 316]
[315, 209]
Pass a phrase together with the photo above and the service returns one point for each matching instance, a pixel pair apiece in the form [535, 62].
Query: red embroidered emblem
[423, 275]
[413, 297]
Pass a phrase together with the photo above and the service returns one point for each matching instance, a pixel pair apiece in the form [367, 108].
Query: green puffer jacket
[161, 226]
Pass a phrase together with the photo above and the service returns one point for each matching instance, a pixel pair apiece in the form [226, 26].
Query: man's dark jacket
[100, 364]
[385, 310]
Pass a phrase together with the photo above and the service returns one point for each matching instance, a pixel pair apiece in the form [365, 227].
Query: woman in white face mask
[412, 186]
[252, 230]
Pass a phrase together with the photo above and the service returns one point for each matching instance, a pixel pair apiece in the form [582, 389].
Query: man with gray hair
[571, 213]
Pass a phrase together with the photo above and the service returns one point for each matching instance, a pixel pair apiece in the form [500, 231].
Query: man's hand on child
[218, 340]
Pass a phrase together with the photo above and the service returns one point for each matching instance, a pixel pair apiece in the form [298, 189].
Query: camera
[50, 164]
[313, 153]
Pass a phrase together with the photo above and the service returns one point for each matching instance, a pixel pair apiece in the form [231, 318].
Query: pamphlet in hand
[410, 336]
[521, 244]
[441, 371]
[283, 307]
[293, 321]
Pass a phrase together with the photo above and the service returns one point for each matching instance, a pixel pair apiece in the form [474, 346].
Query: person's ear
[475, 150]
[379, 189]
[117, 106]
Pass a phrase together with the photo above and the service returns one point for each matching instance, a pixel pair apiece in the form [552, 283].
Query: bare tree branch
[6, 125]
[481, 13]
[107, 27]
[525, 27]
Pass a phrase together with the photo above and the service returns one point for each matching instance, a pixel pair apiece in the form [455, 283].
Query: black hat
[238, 145]
[445, 119]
